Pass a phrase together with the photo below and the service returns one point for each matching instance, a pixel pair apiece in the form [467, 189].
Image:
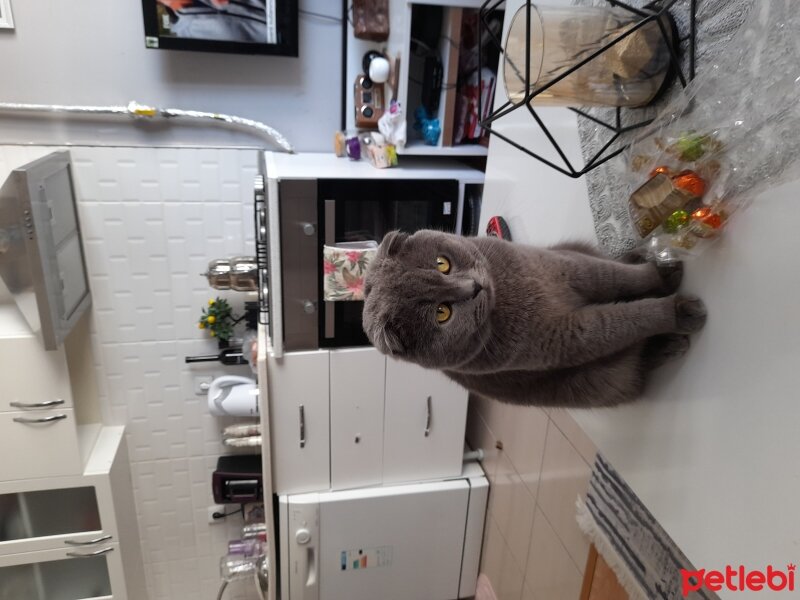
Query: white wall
[92, 52]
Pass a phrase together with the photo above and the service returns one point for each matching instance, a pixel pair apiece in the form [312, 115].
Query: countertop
[711, 448]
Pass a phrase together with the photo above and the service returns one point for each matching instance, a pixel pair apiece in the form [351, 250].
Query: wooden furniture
[599, 581]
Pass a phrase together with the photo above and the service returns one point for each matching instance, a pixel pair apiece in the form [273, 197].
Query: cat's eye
[442, 265]
[443, 313]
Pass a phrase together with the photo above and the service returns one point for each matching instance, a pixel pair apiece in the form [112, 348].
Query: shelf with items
[426, 39]
[443, 81]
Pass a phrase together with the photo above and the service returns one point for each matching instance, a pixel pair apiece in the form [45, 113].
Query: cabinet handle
[428, 418]
[39, 420]
[45, 404]
[89, 542]
[302, 426]
[90, 554]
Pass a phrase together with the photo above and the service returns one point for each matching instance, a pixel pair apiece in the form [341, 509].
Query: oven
[297, 216]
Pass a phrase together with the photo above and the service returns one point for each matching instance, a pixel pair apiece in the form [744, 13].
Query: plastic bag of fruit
[731, 135]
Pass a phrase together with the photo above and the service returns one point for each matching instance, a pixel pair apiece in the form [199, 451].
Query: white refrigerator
[418, 541]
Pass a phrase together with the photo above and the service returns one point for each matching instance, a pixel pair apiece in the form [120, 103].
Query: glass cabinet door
[64, 578]
[47, 514]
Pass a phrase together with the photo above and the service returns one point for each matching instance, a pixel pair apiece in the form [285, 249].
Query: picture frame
[6, 17]
[267, 27]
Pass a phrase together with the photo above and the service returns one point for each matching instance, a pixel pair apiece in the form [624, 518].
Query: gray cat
[562, 326]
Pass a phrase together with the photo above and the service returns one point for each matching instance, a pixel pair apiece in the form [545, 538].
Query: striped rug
[644, 558]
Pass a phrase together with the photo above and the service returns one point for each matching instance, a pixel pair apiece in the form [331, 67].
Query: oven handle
[330, 240]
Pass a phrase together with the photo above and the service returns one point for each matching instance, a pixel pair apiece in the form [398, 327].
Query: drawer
[56, 512]
[31, 375]
[71, 574]
[424, 424]
[39, 443]
[357, 382]
[300, 421]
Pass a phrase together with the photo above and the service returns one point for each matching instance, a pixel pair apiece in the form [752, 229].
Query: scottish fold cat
[562, 326]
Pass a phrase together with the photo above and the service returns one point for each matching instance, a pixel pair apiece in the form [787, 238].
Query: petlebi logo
[739, 579]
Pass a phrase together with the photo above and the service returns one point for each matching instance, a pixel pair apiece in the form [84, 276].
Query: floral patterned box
[344, 266]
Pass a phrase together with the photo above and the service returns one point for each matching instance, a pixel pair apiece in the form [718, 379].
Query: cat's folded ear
[387, 342]
[392, 242]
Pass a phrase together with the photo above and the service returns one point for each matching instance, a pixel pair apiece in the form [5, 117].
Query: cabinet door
[66, 574]
[425, 417]
[41, 514]
[41, 443]
[44, 378]
[300, 421]
[357, 389]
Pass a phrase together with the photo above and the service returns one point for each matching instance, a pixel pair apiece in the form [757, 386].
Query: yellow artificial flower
[213, 334]
[201, 325]
[211, 319]
[212, 302]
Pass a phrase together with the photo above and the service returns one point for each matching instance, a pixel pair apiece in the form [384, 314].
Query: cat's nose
[476, 288]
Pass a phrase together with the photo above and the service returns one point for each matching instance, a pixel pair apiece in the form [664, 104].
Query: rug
[717, 22]
[645, 560]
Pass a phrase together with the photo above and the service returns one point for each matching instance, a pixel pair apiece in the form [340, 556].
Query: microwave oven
[308, 201]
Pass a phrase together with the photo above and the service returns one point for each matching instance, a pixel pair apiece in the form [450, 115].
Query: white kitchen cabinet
[39, 444]
[425, 418]
[73, 537]
[32, 376]
[64, 574]
[349, 418]
[299, 395]
[357, 382]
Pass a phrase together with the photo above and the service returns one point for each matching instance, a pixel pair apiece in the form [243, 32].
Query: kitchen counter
[710, 449]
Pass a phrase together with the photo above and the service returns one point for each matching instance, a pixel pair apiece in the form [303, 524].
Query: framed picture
[6, 20]
[234, 26]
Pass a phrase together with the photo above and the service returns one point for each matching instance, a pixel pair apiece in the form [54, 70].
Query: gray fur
[563, 326]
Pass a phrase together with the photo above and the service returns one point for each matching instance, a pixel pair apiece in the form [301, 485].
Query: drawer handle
[428, 418]
[302, 426]
[49, 419]
[45, 404]
[90, 554]
[89, 542]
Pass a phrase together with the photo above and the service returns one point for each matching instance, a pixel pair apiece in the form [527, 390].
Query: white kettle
[232, 395]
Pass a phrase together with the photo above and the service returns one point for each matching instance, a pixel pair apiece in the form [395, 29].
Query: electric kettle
[233, 395]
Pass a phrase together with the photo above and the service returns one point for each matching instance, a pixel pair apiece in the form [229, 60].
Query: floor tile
[479, 436]
[499, 565]
[550, 573]
[523, 435]
[573, 432]
[565, 476]
[511, 506]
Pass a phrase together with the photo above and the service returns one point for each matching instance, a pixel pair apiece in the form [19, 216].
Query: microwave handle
[330, 240]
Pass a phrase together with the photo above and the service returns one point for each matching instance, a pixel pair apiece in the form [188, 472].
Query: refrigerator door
[393, 543]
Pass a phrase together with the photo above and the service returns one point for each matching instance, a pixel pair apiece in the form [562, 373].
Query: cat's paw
[671, 276]
[660, 349]
[690, 314]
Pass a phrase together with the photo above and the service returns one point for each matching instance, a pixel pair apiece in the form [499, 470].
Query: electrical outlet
[217, 508]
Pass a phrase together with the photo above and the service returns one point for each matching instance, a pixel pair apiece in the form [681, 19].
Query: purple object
[354, 148]
[248, 547]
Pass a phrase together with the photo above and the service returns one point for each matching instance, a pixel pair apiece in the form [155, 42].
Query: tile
[550, 573]
[498, 564]
[573, 432]
[523, 434]
[565, 476]
[511, 505]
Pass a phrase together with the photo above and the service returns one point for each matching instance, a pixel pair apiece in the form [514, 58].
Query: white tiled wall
[151, 220]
